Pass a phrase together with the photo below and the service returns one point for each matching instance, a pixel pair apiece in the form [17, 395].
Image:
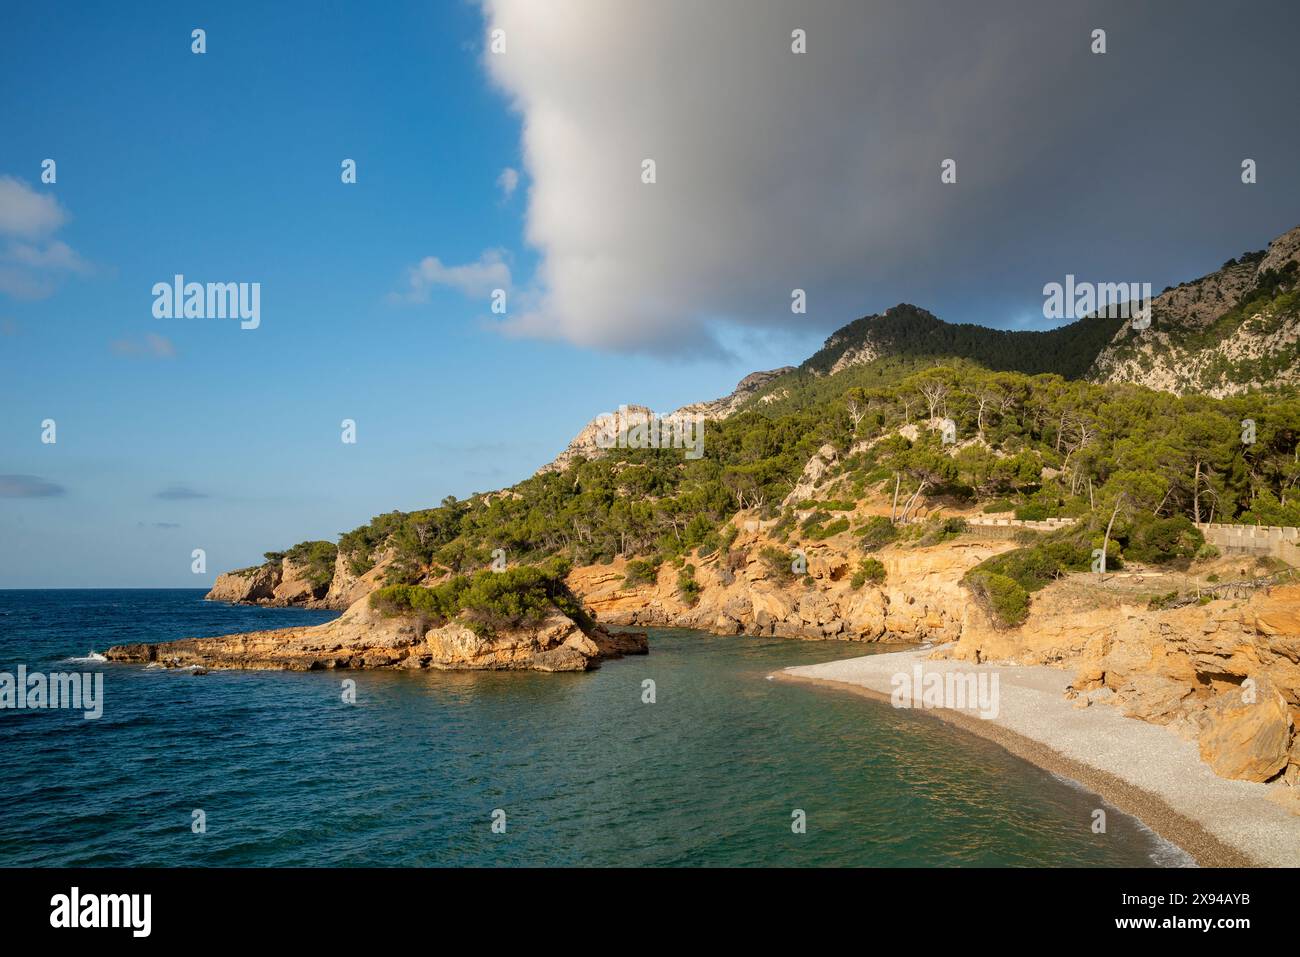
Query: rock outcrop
[1182, 351]
[1246, 734]
[584, 443]
[364, 638]
[253, 586]
[283, 583]
[741, 593]
[1225, 674]
[347, 587]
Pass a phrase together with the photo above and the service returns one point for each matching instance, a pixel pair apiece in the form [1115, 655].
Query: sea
[690, 756]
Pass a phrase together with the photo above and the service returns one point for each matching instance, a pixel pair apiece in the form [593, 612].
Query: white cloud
[55, 255]
[27, 213]
[151, 346]
[31, 260]
[775, 170]
[508, 181]
[21, 284]
[475, 279]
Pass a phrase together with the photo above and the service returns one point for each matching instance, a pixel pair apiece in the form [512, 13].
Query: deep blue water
[289, 774]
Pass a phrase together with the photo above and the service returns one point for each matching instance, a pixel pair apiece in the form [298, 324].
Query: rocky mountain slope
[1228, 332]
[282, 582]
[1232, 331]
[910, 331]
[584, 443]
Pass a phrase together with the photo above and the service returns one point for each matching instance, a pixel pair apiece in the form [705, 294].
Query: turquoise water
[586, 773]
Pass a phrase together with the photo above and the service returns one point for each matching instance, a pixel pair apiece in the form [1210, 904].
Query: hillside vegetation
[1039, 445]
[1032, 435]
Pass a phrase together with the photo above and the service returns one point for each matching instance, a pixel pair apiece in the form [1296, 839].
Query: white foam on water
[1163, 854]
[92, 657]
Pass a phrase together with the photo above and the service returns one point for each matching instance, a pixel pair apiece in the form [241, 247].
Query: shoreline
[1141, 769]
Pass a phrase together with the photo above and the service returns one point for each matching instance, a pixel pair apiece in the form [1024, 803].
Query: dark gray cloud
[176, 492]
[821, 170]
[29, 486]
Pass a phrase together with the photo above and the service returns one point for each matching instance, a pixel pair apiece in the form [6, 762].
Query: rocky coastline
[364, 638]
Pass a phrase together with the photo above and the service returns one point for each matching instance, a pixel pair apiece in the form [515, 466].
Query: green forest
[1040, 445]
[960, 416]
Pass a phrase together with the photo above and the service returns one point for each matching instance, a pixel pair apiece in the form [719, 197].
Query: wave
[93, 657]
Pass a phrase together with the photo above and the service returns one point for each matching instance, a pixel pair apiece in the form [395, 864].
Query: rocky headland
[364, 637]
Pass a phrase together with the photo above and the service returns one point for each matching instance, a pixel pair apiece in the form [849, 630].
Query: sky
[516, 160]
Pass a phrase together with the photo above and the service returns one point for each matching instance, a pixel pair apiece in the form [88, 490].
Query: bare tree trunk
[1105, 542]
[1196, 494]
[893, 511]
[907, 508]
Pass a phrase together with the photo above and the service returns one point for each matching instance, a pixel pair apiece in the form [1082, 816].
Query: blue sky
[182, 434]
[225, 167]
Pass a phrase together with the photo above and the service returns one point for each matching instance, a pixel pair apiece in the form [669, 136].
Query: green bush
[779, 563]
[1158, 602]
[687, 586]
[316, 559]
[1158, 541]
[819, 532]
[814, 520]
[1005, 601]
[831, 505]
[1034, 512]
[640, 572]
[487, 601]
[1051, 556]
[941, 529]
[877, 532]
[868, 570]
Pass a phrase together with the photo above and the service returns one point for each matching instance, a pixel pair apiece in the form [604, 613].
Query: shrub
[1000, 505]
[640, 572]
[868, 570]
[819, 532]
[781, 530]
[779, 563]
[1047, 558]
[687, 586]
[727, 536]
[1034, 512]
[487, 601]
[1158, 541]
[316, 559]
[941, 529]
[813, 520]
[1005, 601]
[1162, 601]
[831, 505]
[877, 532]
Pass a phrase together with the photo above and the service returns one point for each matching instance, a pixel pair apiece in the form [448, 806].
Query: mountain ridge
[1192, 343]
